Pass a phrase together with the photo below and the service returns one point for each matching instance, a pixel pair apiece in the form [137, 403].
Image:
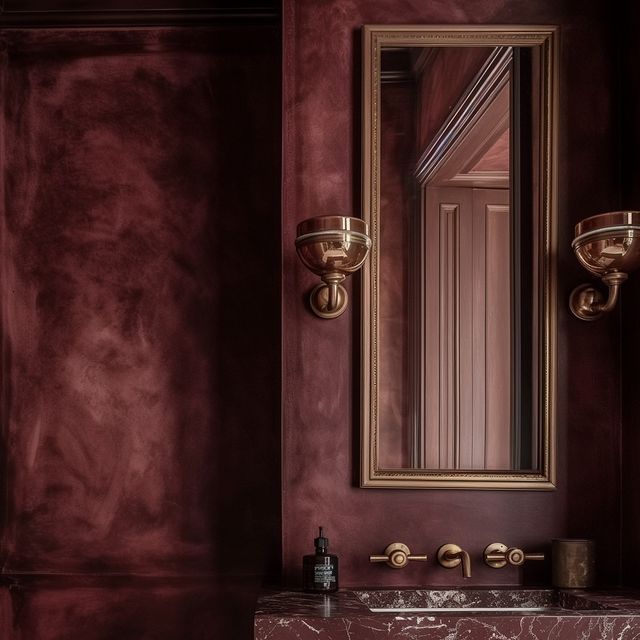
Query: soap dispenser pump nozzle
[322, 543]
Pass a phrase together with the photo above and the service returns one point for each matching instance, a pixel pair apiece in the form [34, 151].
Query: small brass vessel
[573, 563]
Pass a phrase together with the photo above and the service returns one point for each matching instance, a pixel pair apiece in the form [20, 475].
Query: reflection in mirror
[457, 343]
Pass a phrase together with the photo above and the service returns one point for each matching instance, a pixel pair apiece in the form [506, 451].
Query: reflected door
[466, 346]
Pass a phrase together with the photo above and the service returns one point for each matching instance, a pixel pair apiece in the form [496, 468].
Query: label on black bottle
[324, 573]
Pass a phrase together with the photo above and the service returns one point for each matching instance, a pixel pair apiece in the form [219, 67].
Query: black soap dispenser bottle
[320, 569]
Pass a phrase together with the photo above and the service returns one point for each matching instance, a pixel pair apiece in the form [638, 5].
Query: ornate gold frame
[546, 38]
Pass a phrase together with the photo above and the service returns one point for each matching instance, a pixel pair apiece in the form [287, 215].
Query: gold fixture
[332, 247]
[397, 556]
[498, 555]
[608, 246]
[451, 556]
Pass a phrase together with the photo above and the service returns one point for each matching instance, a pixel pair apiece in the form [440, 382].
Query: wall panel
[140, 238]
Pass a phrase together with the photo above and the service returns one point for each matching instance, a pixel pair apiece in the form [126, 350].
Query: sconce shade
[609, 242]
[332, 247]
[608, 246]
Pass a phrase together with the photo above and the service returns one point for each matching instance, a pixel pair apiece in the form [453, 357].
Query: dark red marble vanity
[451, 614]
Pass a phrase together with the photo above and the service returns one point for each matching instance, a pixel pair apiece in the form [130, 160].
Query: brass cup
[572, 563]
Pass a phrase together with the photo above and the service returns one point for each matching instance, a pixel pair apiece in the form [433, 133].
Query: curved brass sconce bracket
[608, 246]
[329, 300]
[332, 247]
[587, 303]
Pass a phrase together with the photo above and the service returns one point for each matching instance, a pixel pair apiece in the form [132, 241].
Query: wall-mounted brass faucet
[397, 556]
[451, 556]
[498, 555]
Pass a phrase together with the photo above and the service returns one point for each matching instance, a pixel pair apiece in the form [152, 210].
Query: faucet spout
[466, 563]
[451, 556]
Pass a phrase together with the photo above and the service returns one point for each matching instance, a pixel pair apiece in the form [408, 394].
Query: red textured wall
[140, 237]
[630, 303]
[141, 335]
[320, 410]
[127, 608]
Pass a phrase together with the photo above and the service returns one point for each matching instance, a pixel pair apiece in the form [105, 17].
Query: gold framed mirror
[458, 362]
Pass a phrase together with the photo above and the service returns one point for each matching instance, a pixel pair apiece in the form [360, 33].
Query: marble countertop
[605, 615]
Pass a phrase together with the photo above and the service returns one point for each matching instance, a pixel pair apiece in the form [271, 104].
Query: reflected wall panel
[398, 201]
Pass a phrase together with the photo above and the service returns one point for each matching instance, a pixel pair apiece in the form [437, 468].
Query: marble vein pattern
[346, 615]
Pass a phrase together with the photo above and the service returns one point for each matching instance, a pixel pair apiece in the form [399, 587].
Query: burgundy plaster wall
[630, 303]
[140, 318]
[132, 608]
[132, 5]
[320, 416]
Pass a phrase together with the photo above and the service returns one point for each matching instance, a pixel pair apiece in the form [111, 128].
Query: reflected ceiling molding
[483, 91]
[401, 65]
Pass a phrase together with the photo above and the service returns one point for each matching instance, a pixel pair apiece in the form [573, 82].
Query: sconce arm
[613, 281]
[335, 297]
[587, 303]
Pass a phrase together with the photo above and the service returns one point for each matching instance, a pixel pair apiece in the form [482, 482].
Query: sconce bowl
[332, 247]
[333, 244]
[609, 242]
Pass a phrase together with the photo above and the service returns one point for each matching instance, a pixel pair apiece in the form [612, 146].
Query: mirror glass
[458, 316]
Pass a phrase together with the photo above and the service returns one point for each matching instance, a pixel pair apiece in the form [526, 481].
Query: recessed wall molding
[99, 14]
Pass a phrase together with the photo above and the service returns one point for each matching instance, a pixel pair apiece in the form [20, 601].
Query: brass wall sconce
[332, 247]
[608, 246]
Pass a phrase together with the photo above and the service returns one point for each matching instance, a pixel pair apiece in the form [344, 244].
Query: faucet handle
[451, 555]
[397, 556]
[498, 555]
